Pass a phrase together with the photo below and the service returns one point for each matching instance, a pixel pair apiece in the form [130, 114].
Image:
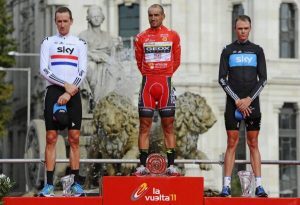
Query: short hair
[63, 9]
[157, 6]
[242, 18]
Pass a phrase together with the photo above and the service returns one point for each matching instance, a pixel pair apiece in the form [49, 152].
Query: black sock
[76, 175]
[171, 156]
[50, 177]
[143, 156]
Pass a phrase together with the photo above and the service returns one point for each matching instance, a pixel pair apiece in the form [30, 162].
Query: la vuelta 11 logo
[154, 194]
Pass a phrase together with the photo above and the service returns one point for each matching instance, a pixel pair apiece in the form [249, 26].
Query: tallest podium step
[153, 190]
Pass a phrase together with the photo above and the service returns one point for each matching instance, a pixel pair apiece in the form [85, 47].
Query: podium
[133, 190]
[251, 201]
[52, 200]
[153, 190]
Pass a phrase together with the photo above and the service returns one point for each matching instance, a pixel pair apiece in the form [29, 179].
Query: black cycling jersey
[242, 70]
[242, 73]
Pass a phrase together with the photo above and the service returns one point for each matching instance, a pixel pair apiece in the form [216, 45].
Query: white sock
[227, 181]
[258, 181]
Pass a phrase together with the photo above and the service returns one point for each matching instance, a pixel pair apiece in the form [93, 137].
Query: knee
[74, 140]
[167, 124]
[145, 125]
[51, 137]
[232, 142]
[252, 143]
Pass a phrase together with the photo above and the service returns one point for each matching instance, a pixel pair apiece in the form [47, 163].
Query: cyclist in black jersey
[242, 75]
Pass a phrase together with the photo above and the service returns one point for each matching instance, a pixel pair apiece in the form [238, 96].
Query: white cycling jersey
[63, 59]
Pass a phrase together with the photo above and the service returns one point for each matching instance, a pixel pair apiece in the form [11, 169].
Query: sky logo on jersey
[243, 59]
[64, 49]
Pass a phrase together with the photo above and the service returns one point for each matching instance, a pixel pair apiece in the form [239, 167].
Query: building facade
[205, 27]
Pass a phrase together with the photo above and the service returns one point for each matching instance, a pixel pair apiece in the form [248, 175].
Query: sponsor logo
[156, 194]
[242, 60]
[158, 49]
[139, 192]
[164, 38]
[64, 49]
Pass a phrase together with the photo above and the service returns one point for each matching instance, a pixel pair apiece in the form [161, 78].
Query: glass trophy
[67, 182]
[247, 183]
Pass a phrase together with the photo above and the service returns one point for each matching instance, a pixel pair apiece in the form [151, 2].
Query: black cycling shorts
[74, 109]
[252, 122]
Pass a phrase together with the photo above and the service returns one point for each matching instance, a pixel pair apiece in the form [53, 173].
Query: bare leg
[74, 148]
[50, 151]
[252, 141]
[232, 142]
[144, 132]
[168, 129]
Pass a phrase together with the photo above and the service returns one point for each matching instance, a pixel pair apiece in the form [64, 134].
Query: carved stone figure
[101, 52]
[193, 117]
[116, 122]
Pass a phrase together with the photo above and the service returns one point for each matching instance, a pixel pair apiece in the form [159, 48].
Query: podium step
[153, 190]
[250, 201]
[52, 200]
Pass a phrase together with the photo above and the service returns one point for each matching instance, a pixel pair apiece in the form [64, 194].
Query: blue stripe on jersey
[243, 59]
[64, 63]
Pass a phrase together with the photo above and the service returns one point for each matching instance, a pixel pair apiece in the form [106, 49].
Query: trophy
[67, 182]
[247, 183]
[156, 164]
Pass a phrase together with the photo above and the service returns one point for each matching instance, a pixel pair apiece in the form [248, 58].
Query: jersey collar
[61, 36]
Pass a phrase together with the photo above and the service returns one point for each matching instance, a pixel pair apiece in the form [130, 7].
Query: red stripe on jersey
[64, 56]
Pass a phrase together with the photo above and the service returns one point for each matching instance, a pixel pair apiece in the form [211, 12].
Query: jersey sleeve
[139, 52]
[262, 74]
[176, 52]
[82, 63]
[44, 65]
[223, 74]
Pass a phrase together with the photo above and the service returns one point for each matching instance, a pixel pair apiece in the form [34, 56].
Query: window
[236, 11]
[128, 23]
[287, 31]
[288, 150]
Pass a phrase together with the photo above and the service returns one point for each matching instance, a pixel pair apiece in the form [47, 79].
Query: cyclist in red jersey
[157, 52]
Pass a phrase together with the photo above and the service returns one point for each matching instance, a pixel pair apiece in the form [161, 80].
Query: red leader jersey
[158, 51]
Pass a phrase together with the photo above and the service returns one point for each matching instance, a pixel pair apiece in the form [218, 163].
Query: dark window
[288, 150]
[129, 17]
[236, 11]
[287, 31]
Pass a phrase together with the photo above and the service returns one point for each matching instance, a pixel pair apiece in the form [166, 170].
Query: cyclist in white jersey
[63, 64]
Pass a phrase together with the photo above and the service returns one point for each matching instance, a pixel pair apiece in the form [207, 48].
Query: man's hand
[71, 89]
[243, 104]
[64, 98]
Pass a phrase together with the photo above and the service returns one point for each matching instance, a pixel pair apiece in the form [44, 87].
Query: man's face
[242, 30]
[63, 23]
[155, 17]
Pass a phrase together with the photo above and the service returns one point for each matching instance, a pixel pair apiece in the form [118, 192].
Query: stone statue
[101, 53]
[116, 122]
